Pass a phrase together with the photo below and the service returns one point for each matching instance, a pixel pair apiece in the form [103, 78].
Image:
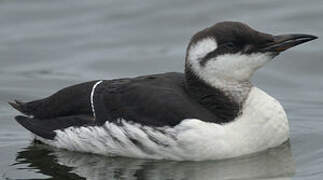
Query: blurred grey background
[46, 45]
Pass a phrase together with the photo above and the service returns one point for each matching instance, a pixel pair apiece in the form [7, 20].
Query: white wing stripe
[91, 97]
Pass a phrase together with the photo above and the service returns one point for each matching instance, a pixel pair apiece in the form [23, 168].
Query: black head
[234, 50]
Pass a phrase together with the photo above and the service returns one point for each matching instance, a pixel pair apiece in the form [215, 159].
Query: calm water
[46, 45]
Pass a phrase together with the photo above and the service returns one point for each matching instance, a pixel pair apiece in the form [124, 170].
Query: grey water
[47, 45]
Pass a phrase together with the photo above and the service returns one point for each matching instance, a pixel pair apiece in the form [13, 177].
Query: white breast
[262, 125]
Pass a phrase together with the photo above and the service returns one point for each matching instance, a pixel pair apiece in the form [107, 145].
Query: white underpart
[224, 71]
[91, 97]
[262, 125]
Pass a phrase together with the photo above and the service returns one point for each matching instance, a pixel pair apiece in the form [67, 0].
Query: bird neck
[223, 98]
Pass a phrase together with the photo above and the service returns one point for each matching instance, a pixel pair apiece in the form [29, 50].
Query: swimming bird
[211, 111]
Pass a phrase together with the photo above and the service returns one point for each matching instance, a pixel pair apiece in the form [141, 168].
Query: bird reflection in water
[60, 164]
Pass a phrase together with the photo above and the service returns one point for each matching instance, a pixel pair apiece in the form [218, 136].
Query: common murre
[210, 112]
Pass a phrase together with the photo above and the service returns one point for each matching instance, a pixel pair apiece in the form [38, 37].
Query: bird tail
[21, 107]
[46, 128]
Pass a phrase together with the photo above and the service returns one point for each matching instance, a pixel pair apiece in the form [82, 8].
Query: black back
[154, 100]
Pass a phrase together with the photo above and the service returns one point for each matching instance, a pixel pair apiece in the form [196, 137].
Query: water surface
[47, 45]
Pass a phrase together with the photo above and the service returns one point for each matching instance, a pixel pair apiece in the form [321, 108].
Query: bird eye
[230, 45]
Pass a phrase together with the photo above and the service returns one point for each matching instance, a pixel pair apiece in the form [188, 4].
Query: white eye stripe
[201, 48]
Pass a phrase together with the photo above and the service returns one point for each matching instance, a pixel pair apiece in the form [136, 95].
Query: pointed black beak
[283, 42]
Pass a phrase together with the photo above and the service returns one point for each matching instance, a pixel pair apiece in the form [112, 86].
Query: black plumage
[155, 100]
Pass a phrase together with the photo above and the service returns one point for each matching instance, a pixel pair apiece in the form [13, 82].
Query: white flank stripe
[92, 94]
